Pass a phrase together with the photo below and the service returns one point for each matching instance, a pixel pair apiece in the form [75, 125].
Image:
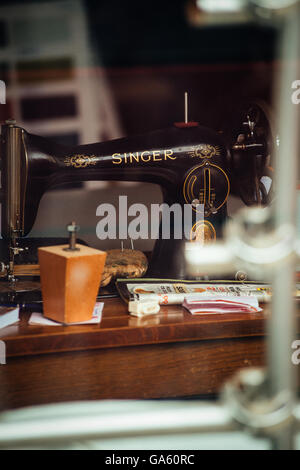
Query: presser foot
[19, 292]
[18, 285]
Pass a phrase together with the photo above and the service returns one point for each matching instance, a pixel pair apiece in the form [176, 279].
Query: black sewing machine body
[192, 164]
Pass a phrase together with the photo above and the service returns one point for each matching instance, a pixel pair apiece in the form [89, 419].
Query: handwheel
[251, 141]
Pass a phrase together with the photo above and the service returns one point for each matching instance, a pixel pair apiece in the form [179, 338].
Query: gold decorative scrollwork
[80, 161]
[197, 187]
[203, 232]
[205, 151]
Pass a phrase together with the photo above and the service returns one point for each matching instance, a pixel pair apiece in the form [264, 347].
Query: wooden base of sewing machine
[172, 354]
[27, 291]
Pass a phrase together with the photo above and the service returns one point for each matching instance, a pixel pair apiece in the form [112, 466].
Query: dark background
[151, 54]
[134, 33]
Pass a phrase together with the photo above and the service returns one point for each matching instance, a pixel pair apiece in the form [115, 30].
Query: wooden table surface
[171, 354]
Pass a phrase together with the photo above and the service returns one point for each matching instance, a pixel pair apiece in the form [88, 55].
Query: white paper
[39, 319]
[9, 318]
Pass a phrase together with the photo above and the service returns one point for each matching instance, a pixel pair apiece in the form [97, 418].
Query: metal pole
[186, 107]
[69, 422]
[281, 326]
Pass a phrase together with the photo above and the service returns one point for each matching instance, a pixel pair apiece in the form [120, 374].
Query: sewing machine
[192, 164]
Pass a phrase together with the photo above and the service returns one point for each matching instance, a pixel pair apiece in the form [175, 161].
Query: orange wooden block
[70, 281]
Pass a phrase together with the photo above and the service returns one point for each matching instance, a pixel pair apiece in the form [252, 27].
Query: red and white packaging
[226, 304]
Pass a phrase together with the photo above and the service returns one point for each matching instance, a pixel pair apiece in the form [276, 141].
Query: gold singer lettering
[143, 157]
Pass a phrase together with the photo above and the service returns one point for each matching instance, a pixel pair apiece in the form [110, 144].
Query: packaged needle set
[175, 292]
